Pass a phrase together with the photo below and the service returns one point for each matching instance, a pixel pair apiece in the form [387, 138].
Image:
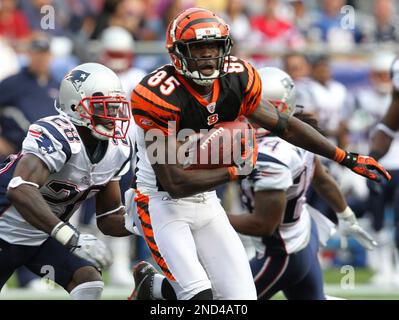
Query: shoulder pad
[162, 82]
[276, 148]
[63, 130]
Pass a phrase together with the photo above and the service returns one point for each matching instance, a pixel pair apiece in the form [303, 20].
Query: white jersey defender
[73, 179]
[64, 160]
[282, 166]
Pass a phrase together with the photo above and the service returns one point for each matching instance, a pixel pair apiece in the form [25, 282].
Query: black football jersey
[164, 95]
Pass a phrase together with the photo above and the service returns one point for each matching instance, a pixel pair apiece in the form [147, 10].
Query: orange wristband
[339, 155]
[233, 173]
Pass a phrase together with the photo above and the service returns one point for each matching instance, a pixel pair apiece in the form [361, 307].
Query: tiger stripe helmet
[193, 26]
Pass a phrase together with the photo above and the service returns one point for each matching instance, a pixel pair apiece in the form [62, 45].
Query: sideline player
[183, 222]
[66, 159]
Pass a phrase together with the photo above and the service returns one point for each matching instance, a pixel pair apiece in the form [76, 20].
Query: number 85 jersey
[73, 176]
[165, 95]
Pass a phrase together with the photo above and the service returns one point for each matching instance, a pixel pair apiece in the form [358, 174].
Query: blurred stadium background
[338, 52]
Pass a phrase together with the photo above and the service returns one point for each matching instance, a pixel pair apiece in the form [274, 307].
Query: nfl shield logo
[211, 107]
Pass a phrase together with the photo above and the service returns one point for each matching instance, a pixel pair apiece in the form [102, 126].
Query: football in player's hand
[222, 146]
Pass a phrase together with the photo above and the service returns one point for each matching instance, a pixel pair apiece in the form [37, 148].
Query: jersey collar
[197, 96]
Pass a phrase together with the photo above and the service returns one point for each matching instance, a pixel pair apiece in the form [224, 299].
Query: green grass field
[332, 277]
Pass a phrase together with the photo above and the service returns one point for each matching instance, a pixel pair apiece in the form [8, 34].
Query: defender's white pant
[193, 242]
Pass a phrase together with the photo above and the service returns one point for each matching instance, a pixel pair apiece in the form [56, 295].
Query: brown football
[221, 146]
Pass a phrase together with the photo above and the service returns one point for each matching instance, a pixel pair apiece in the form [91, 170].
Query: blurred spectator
[370, 105]
[383, 25]
[165, 11]
[103, 21]
[302, 18]
[128, 14]
[118, 54]
[386, 25]
[82, 13]
[9, 61]
[100, 22]
[135, 19]
[26, 96]
[13, 22]
[327, 99]
[274, 31]
[152, 13]
[330, 26]
[296, 65]
[236, 16]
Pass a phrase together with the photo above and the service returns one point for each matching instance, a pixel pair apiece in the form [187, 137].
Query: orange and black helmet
[194, 26]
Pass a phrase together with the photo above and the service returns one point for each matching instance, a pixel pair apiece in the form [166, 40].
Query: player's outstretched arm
[385, 131]
[266, 217]
[328, 189]
[110, 211]
[303, 135]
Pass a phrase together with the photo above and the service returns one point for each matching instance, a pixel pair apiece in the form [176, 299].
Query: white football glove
[85, 246]
[93, 250]
[350, 226]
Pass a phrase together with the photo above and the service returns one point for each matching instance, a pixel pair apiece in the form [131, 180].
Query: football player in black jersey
[191, 239]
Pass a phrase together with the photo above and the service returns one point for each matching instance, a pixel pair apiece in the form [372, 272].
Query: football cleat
[143, 274]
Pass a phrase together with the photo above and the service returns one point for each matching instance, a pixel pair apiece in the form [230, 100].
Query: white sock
[157, 287]
[88, 291]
